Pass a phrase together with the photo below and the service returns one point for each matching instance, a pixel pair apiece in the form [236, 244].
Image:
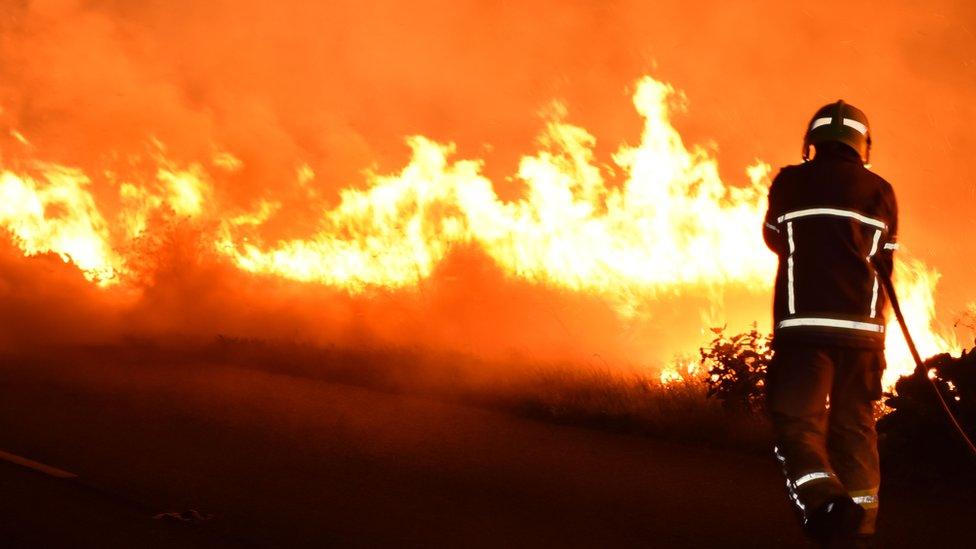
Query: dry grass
[599, 398]
[638, 404]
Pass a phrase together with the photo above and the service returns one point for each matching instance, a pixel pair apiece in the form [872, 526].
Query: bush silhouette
[736, 369]
[915, 436]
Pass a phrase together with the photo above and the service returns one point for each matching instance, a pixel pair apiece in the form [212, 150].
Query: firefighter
[830, 221]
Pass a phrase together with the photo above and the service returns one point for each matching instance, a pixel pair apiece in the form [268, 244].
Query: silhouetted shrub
[916, 437]
[736, 369]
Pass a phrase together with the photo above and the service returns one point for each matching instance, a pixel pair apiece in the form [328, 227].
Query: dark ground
[282, 461]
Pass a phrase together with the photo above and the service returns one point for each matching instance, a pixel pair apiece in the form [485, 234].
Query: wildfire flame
[56, 214]
[670, 225]
[665, 223]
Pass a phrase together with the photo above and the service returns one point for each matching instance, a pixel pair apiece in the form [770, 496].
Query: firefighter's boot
[835, 523]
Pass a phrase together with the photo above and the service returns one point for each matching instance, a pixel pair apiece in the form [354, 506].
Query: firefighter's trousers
[827, 447]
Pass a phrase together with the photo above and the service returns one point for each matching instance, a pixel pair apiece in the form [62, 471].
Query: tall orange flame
[671, 225]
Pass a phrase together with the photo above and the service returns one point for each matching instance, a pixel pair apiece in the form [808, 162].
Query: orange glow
[658, 221]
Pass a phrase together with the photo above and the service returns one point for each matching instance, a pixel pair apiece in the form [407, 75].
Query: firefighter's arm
[772, 230]
[890, 242]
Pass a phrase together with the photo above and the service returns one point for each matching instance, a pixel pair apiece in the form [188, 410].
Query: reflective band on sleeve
[791, 293]
[772, 227]
[851, 123]
[832, 323]
[891, 246]
[810, 477]
[820, 122]
[835, 212]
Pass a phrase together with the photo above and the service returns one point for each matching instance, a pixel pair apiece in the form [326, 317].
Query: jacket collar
[837, 151]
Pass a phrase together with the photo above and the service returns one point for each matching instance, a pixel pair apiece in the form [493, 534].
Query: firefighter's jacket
[827, 220]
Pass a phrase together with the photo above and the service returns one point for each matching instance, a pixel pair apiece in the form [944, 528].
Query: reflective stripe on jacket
[827, 219]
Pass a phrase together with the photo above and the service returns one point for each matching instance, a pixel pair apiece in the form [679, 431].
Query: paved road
[283, 461]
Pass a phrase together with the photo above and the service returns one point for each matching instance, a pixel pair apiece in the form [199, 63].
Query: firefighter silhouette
[829, 219]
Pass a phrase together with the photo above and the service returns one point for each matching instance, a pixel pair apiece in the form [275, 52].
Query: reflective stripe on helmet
[832, 323]
[830, 123]
[859, 126]
[820, 122]
[849, 122]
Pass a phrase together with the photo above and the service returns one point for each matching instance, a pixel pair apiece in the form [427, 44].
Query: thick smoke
[336, 86]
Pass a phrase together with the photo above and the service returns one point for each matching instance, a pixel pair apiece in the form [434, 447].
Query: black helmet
[842, 123]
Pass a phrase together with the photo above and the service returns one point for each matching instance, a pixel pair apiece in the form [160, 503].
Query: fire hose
[920, 369]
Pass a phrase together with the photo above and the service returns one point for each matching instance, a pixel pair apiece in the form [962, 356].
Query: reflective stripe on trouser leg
[794, 498]
[802, 483]
[805, 486]
[868, 500]
[798, 382]
[811, 477]
[865, 498]
[852, 437]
